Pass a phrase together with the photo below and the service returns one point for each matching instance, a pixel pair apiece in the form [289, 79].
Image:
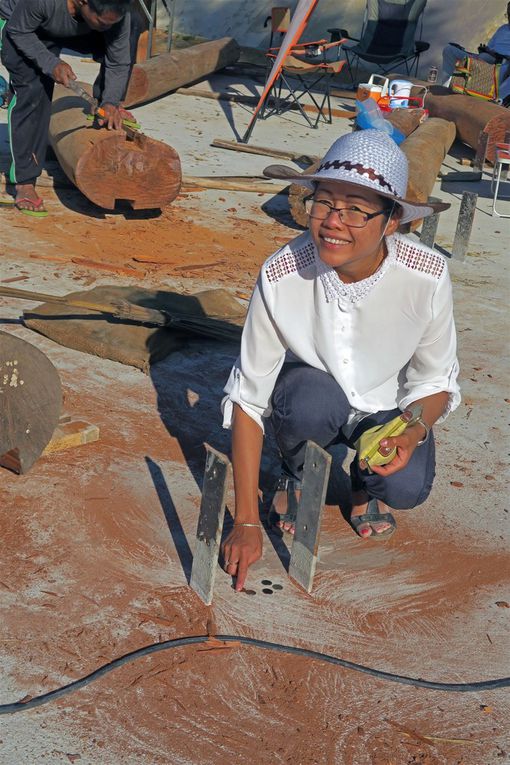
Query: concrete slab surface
[98, 541]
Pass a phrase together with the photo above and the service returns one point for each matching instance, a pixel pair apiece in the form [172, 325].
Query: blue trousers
[309, 405]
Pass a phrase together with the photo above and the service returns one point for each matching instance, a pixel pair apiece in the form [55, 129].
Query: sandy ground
[98, 541]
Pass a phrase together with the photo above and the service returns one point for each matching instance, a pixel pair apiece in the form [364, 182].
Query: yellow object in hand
[368, 444]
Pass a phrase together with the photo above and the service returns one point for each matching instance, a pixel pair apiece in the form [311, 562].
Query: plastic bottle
[368, 115]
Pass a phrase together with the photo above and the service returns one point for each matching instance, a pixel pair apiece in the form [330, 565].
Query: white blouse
[388, 340]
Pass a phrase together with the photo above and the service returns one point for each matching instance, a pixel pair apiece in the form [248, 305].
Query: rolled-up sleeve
[253, 376]
[434, 367]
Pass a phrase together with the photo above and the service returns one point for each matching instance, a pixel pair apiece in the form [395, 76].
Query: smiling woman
[349, 325]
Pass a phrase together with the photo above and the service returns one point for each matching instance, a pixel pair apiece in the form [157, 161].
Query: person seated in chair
[496, 51]
[32, 35]
[350, 324]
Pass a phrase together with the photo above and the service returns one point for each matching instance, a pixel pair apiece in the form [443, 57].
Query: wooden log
[406, 120]
[169, 71]
[425, 149]
[108, 166]
[471, 116]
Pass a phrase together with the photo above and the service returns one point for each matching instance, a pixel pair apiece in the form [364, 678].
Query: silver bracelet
[427, 431]
[255, 525]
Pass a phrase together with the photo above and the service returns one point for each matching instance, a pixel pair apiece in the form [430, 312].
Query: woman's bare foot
[283, 510]
[359, 507]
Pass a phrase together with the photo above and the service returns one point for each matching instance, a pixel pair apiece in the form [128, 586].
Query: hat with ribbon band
[366, 158]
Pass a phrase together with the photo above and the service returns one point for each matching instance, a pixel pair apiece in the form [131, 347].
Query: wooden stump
[168, 71]
[108, 166]
[31, 397]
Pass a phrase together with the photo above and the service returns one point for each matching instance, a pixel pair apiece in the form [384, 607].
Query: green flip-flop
[35, 213]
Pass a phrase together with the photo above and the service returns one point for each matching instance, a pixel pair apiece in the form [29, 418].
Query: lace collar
[336, 289]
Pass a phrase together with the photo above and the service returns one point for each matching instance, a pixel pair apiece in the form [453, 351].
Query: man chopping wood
[32, 36]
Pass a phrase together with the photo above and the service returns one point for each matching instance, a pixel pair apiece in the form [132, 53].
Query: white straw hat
[368, 158]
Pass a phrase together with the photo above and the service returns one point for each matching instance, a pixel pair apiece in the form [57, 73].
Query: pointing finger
[242, 571]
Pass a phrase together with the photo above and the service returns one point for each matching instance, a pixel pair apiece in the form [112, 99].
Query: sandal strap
[36, 204]
[374, 518]
[373, 515]
[286, 483]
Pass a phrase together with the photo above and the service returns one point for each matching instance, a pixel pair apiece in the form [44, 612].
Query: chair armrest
[337, 32]
[336, 42]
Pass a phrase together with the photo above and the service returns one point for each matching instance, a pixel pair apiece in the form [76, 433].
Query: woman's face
[342, 246]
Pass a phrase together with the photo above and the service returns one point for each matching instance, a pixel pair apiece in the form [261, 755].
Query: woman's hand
[405, 445]
[242, 547]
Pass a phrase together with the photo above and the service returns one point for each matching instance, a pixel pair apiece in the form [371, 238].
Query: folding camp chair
[387, 36]
[306, 74]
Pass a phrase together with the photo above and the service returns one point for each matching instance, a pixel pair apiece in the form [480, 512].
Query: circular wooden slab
[30, 402]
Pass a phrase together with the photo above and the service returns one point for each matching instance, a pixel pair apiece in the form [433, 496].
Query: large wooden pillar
[109, 166]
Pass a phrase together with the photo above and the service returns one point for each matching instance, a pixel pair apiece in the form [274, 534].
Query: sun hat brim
[410, 210]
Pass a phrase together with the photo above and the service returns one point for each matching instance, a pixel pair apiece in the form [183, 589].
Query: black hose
[30, 703]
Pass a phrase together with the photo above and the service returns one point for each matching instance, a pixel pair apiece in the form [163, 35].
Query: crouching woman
[350, 324]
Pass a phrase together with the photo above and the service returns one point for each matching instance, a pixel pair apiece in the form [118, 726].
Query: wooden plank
[239, 98]
[210, 525]
[305, 545]
[265, 151]
[73, 433]
[479, 161]
[253, 183]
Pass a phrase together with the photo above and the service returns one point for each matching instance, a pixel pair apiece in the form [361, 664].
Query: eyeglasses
[320, 209]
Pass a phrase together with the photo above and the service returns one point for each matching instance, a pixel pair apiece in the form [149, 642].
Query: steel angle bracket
[305, 546]
[210, 524]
